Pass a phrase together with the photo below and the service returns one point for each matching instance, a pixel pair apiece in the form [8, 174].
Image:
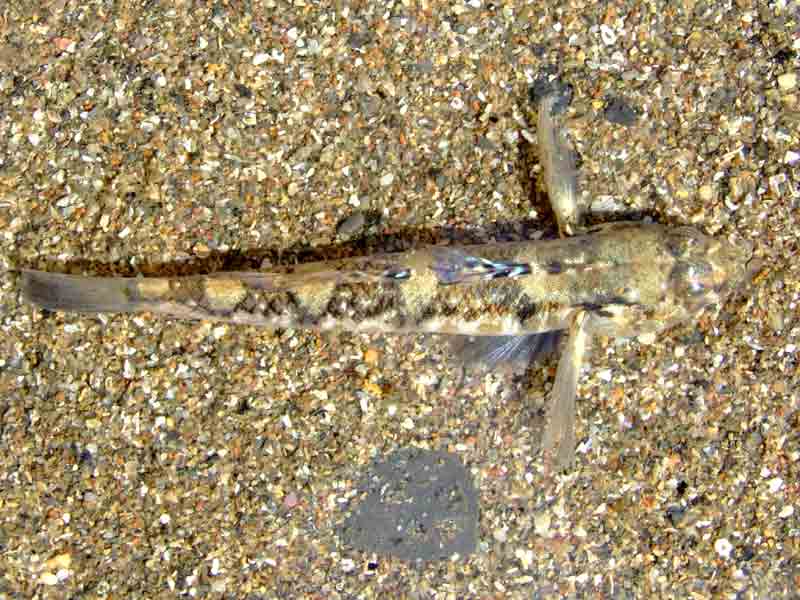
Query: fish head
[707, 270]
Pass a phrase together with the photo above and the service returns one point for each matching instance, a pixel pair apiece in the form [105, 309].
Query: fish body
[619, 279]
[631, 278]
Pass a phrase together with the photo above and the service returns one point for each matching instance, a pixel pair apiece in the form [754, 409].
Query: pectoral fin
[491, 352]
[559, 437]
[558, 165]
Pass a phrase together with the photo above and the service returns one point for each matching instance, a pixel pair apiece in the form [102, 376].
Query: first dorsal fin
[453, 266]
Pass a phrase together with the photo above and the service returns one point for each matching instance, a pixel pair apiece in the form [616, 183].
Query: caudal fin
[75, 293]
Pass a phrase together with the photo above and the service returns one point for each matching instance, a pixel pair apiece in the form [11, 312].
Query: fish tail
[75, 293]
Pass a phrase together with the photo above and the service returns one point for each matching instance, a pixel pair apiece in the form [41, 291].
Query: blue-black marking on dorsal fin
[453, 266]
[397, 273]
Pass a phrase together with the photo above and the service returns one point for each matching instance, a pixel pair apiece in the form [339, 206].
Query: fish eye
[692, 280]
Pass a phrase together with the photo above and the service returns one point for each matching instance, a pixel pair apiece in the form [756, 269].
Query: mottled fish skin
[631, 278]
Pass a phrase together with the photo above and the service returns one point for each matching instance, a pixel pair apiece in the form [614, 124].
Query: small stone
[352, 224]
[741, 185]
[647, 339]
[48, 578]
[706, 193]
[787, 81]
[541, 524]
[348, 565]
[775, 484]
[723, 547]
[607, 34]
[291, 500]
[524, 556]
[617, 110]
[371, 356]
[59, 561]
[64, 44]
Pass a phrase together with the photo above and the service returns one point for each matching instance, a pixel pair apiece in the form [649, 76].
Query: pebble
[787, 81]
[352, 224]
[48, 578]
[723, 547]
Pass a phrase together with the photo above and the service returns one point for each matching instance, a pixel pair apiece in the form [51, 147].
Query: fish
[620, 279]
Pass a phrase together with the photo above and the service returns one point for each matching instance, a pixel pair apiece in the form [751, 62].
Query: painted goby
[620, 279]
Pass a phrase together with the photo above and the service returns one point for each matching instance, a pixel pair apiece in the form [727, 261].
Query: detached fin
[453, 266]
[75, 293]
[490, 352]
[559, 436]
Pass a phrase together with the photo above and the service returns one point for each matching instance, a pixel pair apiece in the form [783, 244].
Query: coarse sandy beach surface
[142, 457]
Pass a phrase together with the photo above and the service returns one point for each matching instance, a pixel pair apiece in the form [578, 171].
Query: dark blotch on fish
[554, 267]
